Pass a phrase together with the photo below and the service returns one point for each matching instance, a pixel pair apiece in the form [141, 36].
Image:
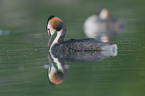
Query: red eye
[48, 30]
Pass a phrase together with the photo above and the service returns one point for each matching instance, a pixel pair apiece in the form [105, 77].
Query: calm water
[24, 51]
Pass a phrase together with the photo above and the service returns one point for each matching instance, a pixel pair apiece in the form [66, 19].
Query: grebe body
[84, 44]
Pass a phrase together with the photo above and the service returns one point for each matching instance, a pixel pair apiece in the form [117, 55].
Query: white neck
[56, 39]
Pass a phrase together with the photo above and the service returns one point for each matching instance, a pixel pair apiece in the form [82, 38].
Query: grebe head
[55, 26]
[104, 14]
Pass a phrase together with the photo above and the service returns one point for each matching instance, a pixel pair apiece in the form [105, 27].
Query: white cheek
[51, 29]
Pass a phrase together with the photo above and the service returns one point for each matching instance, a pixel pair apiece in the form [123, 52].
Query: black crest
[50, 17]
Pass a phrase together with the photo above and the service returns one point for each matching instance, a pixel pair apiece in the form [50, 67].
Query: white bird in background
[102, 26]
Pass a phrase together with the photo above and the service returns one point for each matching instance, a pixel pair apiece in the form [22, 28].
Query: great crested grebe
[102, 26]
[56, 32]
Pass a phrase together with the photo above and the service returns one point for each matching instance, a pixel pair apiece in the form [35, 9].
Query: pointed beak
[49, 37]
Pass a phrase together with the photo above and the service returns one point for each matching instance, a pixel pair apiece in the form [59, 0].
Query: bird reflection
[102, 26]
[57, 71]
[86, 56]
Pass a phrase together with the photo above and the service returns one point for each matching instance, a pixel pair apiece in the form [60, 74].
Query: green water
[24, 50]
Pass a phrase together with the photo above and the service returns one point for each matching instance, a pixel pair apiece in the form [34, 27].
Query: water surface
[24, 50]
